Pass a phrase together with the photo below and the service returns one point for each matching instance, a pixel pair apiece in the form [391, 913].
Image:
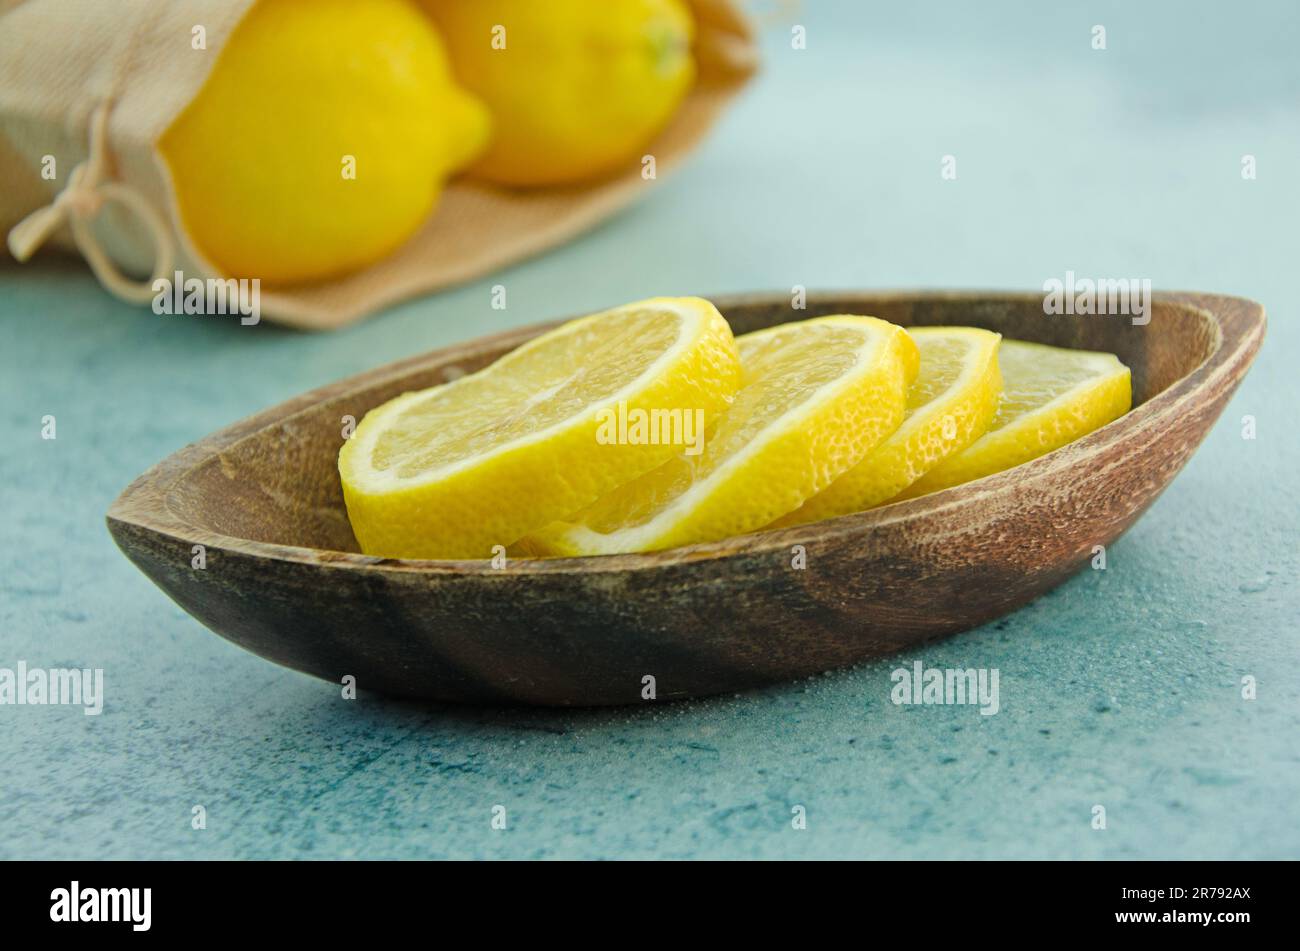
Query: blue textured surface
[1121, 688]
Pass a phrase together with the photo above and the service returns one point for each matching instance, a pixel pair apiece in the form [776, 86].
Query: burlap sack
[95, 83]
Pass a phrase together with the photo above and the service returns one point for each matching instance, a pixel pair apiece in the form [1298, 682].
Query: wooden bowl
[284, 577]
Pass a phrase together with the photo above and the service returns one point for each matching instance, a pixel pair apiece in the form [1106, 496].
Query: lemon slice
[1050, 396]
[456, 470]
[817, 396]
[949, 406]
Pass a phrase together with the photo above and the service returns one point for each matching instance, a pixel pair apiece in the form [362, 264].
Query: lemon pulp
[817, 395]
[1050, 397]
[950, 405]
[456, 470]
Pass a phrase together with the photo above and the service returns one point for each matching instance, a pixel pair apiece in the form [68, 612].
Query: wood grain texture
[285, 579]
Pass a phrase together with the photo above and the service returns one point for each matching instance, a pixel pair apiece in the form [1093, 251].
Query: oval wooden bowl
[284, 577]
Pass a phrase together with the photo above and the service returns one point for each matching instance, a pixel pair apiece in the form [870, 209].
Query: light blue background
[1121, 688]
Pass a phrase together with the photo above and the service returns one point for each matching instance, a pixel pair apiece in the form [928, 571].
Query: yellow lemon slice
[456, 470]
[1050, 396]
[817, 396]
[949, 406]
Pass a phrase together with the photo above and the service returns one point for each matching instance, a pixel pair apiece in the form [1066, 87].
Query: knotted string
[80, 203]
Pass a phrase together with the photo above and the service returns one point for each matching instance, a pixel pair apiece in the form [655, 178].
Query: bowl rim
[1239, 323]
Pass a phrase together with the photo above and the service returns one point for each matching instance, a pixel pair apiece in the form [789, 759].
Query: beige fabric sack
[95, 83]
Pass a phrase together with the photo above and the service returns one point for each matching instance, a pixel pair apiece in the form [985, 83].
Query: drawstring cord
[80, 202]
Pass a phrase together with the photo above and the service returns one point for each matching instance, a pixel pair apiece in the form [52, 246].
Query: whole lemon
[576, 88]
[321, 139]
